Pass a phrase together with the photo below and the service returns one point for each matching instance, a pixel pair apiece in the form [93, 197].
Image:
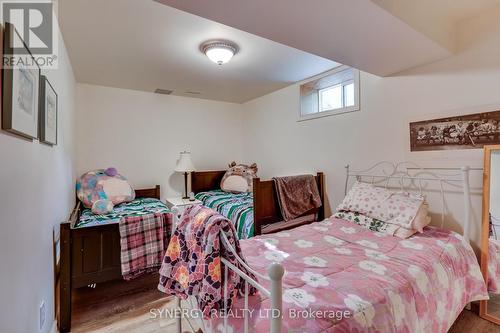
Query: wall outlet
[43, 313]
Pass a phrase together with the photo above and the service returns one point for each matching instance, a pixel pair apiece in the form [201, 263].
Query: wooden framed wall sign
[459, 132]
[20, 88]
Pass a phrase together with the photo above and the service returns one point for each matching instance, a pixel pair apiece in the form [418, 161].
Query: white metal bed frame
[410, 177]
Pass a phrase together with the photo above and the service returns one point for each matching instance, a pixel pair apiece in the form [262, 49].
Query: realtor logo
[34, 25]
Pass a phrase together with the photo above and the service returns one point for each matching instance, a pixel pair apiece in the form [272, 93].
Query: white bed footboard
[275, 276]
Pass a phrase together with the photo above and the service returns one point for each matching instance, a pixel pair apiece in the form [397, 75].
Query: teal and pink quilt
[236, 207]
[135, 208]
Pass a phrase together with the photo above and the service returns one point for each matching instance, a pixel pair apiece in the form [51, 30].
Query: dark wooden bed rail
[89, 255]
[265, 201]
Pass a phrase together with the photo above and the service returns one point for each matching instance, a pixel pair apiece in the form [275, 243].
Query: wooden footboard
[89, 255]
[265, 201]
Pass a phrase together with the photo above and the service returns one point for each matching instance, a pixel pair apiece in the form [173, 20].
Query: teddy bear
[100, 190]
[239, 178]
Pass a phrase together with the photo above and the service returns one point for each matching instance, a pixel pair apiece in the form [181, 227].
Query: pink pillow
[400, 208]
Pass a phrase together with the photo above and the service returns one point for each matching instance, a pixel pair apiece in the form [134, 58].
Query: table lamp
[185, 165]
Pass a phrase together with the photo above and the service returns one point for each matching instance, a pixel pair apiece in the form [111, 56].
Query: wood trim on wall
[485, 228]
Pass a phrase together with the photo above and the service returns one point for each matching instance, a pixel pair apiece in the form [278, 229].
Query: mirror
[490, 242]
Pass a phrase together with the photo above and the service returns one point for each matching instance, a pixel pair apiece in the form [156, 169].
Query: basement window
[332, 93]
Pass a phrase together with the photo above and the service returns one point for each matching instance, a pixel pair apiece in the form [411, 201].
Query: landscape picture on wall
[20, 89]
[48, 112]
[460, 132]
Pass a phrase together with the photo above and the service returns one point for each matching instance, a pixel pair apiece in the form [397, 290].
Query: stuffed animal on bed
[101, 189]
[239, 178]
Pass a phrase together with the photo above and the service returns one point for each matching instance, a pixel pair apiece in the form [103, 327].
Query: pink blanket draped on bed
[192, 263]
[341, 277]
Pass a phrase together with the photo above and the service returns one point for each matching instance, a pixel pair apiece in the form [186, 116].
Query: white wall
[465, 83]
[141, 134]
[36, 194]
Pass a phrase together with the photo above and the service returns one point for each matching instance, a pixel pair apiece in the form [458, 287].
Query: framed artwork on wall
[460, 132]
[20, 88]
[48, 112]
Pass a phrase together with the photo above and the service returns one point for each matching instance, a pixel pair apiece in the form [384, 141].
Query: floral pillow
[400, 208]
[375, 225]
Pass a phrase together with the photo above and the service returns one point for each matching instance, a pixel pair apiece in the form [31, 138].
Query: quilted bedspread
[135, 208]
[236, 207]
[341, 277]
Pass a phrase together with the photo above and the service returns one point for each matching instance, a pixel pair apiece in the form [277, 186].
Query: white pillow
[400, 208]
[235, 184]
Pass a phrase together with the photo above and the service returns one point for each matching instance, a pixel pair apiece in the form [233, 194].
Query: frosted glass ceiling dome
[220, 52]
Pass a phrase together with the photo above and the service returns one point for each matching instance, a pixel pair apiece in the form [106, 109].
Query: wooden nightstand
[178, 205]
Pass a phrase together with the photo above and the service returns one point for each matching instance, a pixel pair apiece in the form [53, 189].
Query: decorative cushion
[399, 208]
[239, 178]
[422, 219]
[376, 225]
[102, 207]
[103, 185]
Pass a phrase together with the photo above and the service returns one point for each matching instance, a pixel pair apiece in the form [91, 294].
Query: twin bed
[254, 213]
[336, 276]
[90, 245]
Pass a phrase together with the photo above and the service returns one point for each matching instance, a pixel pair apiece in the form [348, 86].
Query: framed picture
[20, 89]
[460, 132]
[48, 112]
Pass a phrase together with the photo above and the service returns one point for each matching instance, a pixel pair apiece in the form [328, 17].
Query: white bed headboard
[409, 176]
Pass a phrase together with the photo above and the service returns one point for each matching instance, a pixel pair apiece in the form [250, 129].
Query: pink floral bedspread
[494, 266]
[350, 279]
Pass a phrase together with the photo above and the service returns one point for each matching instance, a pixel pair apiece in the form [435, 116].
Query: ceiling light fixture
[218, 51]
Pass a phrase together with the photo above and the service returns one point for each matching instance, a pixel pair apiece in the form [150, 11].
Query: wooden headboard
[148, 193]
[266, 205]
[206, 180]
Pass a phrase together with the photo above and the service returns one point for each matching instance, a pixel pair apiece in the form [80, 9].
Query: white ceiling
[358, 33]
[437, 19]
[382, 37]
[144, 45]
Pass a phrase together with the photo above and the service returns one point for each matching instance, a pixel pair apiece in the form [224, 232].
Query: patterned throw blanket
[192, 264]
[143, 240]
[297, 195]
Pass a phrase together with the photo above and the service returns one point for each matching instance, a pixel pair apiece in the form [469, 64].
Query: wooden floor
[126, 307]
[121, 307]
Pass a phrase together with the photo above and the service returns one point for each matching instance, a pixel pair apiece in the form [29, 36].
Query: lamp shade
[184, 164]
